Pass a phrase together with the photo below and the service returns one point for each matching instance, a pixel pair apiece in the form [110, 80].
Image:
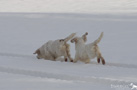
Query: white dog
[86, 52]
[133, 86]
[55, 49]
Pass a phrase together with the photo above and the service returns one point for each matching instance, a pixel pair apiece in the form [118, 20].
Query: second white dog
[86, 52]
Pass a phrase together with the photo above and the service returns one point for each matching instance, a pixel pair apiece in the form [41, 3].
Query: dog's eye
[61, 40]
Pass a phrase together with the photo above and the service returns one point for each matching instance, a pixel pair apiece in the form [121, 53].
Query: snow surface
[22, 33]
[69, 6]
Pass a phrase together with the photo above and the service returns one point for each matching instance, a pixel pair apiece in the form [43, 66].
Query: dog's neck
[79, 44]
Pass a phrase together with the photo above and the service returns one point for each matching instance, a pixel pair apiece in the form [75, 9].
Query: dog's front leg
[87, 61]
[65, 55]
[76, 59]
[68, 52]
[65, 58]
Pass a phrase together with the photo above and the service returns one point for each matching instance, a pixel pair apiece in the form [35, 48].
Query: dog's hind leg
[103, 60]
[99, 56]
[98, 59]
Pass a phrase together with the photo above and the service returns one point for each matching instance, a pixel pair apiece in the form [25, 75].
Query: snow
[69, 6]
[22, 33]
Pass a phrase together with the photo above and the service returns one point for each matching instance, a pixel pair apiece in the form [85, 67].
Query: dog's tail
[69, 37]
[99, 39]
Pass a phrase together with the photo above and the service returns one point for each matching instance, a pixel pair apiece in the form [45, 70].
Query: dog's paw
[71, 60]
[103, 62]
[66, 60]
[98, 60]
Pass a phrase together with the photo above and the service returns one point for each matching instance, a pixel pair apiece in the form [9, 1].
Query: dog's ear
[74, 40]
[37, 51]
[85, 36]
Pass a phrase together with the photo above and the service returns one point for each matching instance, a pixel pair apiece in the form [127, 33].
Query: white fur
[133, 86]
[55, 49]
[85, 52]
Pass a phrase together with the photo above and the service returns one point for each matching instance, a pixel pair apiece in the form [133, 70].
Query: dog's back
[91, 50]
[44, 50]
[93, 47]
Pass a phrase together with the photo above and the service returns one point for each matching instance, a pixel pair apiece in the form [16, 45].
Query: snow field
[21, 34]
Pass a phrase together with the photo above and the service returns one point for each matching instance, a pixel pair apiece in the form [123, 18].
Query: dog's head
[84, 37]
[80, 39]
[39, 56]
[61, 42]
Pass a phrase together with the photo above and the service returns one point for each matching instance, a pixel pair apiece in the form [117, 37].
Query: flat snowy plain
[22, 33]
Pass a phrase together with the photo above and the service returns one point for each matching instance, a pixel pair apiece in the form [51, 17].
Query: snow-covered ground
[22, 33]
[69, 6]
